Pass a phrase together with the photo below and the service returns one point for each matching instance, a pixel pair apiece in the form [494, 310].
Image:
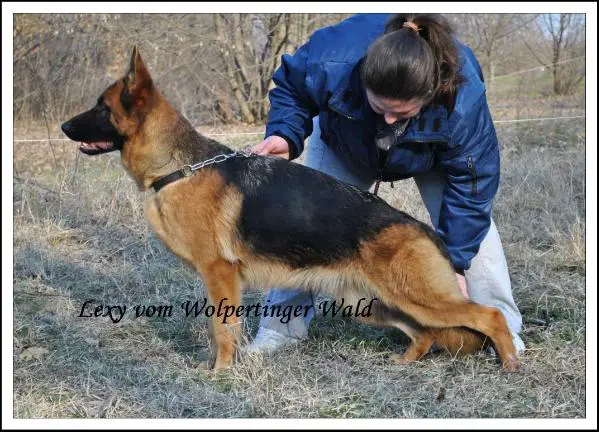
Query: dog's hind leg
[417, 349]
[457, 341]
[421, 337]
[489, 321]
[222, 283]
[454, 340]
[432, 297]
[457, 338]
[412, 275]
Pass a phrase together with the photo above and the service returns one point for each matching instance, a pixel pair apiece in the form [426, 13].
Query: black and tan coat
[265, 222]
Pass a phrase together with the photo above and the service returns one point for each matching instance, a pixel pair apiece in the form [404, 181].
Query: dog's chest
[195, 232]
[163, 223]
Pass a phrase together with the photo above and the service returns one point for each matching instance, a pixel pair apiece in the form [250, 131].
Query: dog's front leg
[222, 284]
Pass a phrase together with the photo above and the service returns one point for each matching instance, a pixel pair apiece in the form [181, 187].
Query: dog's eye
[102, 108]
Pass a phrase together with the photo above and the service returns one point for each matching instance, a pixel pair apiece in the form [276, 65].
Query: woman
[386, 98]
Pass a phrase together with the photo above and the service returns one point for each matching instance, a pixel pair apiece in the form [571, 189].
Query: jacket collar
[349, 98]
[428, 125]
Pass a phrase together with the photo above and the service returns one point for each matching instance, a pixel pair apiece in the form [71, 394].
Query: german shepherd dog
[266, 222]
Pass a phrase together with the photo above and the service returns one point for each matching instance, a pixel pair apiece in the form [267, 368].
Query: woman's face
[393, 109]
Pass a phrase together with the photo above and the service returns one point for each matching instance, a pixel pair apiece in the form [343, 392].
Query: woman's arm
[291, 107]
[471, 165]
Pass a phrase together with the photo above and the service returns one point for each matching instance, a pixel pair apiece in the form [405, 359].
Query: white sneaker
[268, 340]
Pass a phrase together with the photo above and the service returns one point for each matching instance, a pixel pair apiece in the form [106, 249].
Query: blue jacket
[322, 78]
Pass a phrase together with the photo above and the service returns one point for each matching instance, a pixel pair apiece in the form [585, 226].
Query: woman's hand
[463, 285]
[272, 146]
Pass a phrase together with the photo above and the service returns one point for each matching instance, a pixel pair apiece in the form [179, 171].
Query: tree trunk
[232, 77]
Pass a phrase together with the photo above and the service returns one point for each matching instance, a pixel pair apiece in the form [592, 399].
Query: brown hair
[416, 58]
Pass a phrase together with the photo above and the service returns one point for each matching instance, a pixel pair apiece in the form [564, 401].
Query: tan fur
[197, 223]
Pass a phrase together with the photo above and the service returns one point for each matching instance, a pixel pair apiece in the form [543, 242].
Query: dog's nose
[67, 127]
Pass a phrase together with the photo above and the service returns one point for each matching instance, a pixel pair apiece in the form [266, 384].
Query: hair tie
[410, 24]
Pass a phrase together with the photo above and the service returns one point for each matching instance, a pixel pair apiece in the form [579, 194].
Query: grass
[80, 234]
[535, 84]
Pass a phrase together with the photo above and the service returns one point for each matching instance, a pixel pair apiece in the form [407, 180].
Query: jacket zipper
[473, 172]
[378, 152]
[421, 141]
[380, 170]
[341, 113]
[400, 142]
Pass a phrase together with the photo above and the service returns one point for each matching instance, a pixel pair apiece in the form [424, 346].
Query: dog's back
[302, 217]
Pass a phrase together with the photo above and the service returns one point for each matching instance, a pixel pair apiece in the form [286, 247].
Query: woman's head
[414, 63]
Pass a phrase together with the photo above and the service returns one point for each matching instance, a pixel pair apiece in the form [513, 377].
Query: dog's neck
[166, 142]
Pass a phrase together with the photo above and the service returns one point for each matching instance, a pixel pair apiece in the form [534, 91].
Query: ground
[79, 234]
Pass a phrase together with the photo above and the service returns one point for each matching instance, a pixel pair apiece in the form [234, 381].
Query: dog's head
[118, 114]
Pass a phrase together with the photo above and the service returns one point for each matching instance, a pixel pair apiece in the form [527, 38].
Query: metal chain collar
[188, 170]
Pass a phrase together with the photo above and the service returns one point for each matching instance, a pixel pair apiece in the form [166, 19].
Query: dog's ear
[138, 75]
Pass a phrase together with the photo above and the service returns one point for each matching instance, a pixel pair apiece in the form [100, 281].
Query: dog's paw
[399, 359]
[210, 370]
[511, 363]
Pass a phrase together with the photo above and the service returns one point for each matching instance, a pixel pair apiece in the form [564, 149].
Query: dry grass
[79, 234]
